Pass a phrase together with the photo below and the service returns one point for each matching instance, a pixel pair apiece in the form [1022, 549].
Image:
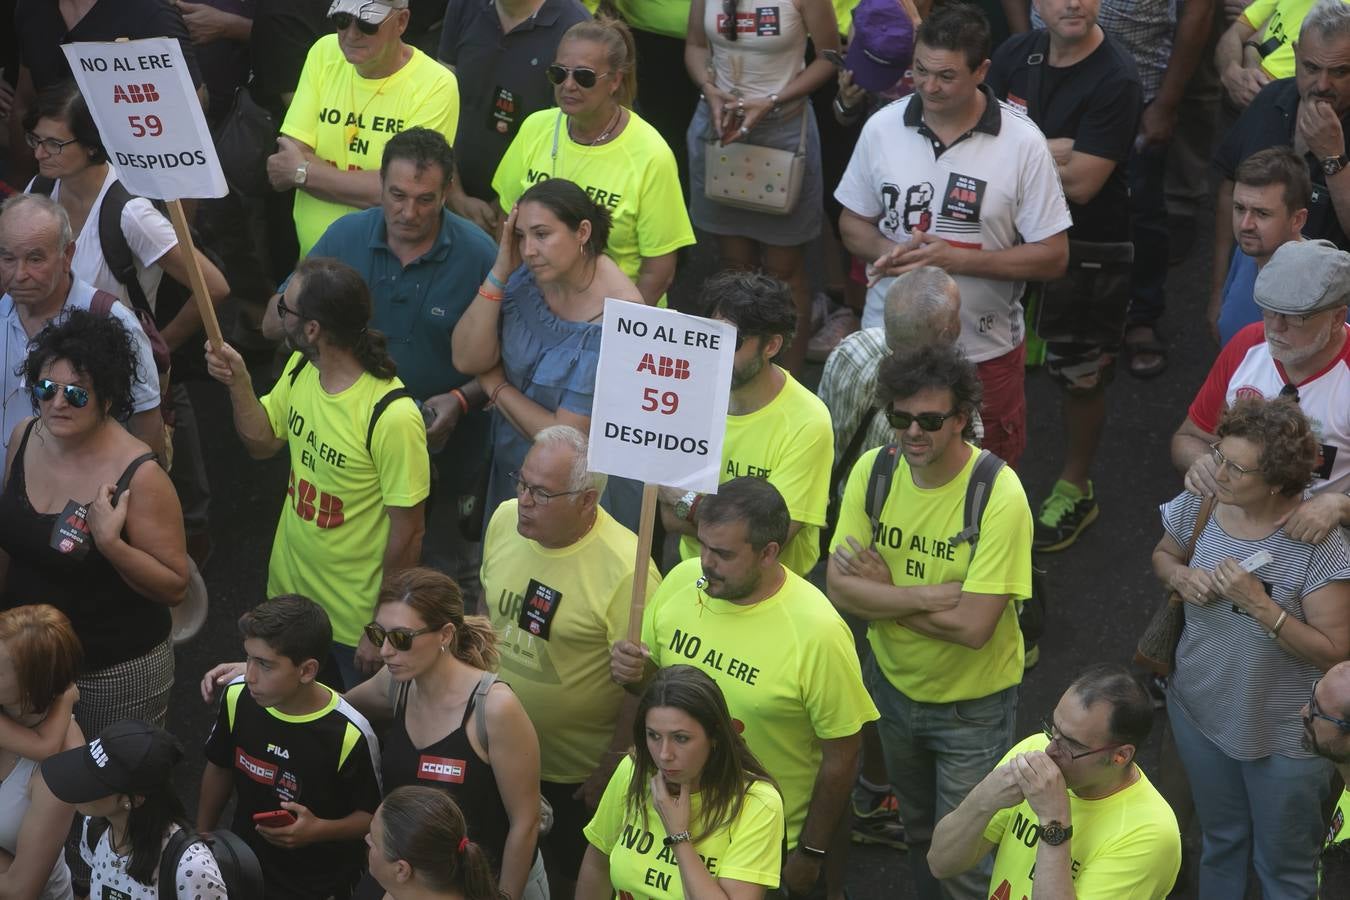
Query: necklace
[604, 135]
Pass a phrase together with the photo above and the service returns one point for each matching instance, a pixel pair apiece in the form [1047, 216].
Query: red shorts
[1004, 410]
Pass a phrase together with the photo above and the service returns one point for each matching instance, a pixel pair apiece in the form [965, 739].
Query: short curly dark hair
[931, 366]
[759, 305]
[1288, 448]
[97, 347]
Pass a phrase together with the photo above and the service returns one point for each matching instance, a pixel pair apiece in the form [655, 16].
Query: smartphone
[835, 57]
[276, 818]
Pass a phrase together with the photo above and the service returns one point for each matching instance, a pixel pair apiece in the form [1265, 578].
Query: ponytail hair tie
[463, 843]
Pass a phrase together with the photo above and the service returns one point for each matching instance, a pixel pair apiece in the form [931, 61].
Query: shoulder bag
[753, 177]
[1157, 648]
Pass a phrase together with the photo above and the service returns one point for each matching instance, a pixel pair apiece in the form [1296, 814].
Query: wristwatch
[1333, 164]
[684, 507]
[1055, 833]
[671, 840]
[302, 173]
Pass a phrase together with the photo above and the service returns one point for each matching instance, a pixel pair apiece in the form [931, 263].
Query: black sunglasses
[400, 638]
[343, 21]
[729, 19]
[76, 396]
[584, 77]
[928, 421]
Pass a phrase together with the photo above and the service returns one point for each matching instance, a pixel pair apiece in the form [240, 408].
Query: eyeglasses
[76, 396]
[538, 494]
[583, 76]
[51, 145]
[1314, 714]
[1295, 319]
[1057, 737]
[729, 19]
[284, 310]
[928, 421]
[400, 638]
[343, 21]
[1220, 461]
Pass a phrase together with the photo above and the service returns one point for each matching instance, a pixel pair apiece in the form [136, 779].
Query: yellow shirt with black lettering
[348, 119]
[914, 540]
[562, 677]
[786, 665]
[789, 443]
[633, 177]
[642, 867]
[1124, 847]
[1276, 23]
[330, 540]
[667, 17]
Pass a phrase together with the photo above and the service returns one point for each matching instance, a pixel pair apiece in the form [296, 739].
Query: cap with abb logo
[372, 11]
[127, 757]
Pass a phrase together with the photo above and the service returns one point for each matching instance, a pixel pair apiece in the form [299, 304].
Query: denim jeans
[1268, 811]
[1146, 172]
[935, 753]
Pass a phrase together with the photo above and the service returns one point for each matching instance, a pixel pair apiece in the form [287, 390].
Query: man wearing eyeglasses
[947, 654]
[1326, 732]
[557, 580]
[358, 89]
[1069, 813]
[1298, 350]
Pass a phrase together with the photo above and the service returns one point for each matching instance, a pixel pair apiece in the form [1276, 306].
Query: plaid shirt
[1146, 28]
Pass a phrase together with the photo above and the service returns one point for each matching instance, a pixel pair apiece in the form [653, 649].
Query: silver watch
[302, 173]
[684, 507]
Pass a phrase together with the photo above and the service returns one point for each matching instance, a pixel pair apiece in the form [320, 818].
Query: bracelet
[1279, 623]
[677, 838]
[843, 109]
[497, 390]
[463, 400]
[495, 298]
[496, 282]
[775, 106]
[811, 851]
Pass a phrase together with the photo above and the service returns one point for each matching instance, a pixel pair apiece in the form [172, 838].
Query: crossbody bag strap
[1036, 62]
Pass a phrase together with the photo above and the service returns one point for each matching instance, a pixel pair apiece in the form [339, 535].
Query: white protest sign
[661, 392]
[141, 97]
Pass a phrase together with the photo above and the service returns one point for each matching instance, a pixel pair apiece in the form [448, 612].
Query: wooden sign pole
[646, 525]
[199, 291]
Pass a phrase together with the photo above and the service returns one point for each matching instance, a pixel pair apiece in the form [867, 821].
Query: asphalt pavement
[1101, 590]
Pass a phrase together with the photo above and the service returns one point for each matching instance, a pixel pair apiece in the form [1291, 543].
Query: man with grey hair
[1310, 113]
[36, 249]
[553, 558]
[1298, 350]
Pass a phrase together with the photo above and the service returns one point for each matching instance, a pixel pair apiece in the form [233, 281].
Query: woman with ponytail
[409, 838]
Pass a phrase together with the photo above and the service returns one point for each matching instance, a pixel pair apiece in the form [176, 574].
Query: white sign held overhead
[661, 392]
[141, 97]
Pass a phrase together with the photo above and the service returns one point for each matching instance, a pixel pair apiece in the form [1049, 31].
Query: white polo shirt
[15, 402]
[995, 187]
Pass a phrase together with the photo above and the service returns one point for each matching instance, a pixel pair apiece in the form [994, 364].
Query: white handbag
[763, 179]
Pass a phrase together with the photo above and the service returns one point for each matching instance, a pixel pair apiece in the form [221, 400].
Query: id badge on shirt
[70, 532]
[112, 893]
[504, 112]
[537, 611]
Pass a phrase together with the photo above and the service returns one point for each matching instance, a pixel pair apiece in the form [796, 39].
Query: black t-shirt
[1097, 102]
[1270, 121]
[501, 78]
[41, 30]
[283, 32]
[327, 761]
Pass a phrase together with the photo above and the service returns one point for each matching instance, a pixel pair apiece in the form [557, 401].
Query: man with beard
[1326, 732]
[359, 474]
[776, 428]
[947, 653]
[782, 656]
[1298, 350]
[1070, 807]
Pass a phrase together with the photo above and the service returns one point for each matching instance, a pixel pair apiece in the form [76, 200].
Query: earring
[126, 804]
[443, 646]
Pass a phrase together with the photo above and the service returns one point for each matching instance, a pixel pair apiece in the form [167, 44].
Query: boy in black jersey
[284, 742]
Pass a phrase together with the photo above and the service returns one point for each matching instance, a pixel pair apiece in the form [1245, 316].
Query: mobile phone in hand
[276, 818]
[835, 57]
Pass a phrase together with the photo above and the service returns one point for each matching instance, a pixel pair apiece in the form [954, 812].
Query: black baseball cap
[127, 757]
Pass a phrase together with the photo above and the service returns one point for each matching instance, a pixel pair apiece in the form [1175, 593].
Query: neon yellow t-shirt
[1338, 833]
[790, 444]
[632, 176]
[1125, 847]
[843, 14]
[562, 679]
[348, 119]
[916, 525]
[330, 541]
[1279, 21]
[786, 665]
[668, 17]
[642, 867]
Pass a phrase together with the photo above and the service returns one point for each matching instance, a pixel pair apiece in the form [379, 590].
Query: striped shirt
[1241, 689]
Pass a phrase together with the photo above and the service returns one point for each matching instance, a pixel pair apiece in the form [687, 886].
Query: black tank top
[113, 622]
[451, 765]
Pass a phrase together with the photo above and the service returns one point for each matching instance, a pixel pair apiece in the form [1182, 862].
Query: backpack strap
[294, 373]
[380, 406]
[42, 185]
[879, 485]
[116, 251]
[851, 449]
[169, 859]
[103, 303]
[480, 707]
[978, 489]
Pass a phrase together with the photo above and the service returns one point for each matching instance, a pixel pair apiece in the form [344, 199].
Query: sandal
[1147, 357]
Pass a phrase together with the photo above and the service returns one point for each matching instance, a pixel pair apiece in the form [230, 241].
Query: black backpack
[238, 864]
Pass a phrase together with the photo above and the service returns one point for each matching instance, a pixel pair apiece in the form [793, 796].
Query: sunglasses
[76, 396]
[584, 77]
[928, 421]
[343, 21]
[400, 638]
